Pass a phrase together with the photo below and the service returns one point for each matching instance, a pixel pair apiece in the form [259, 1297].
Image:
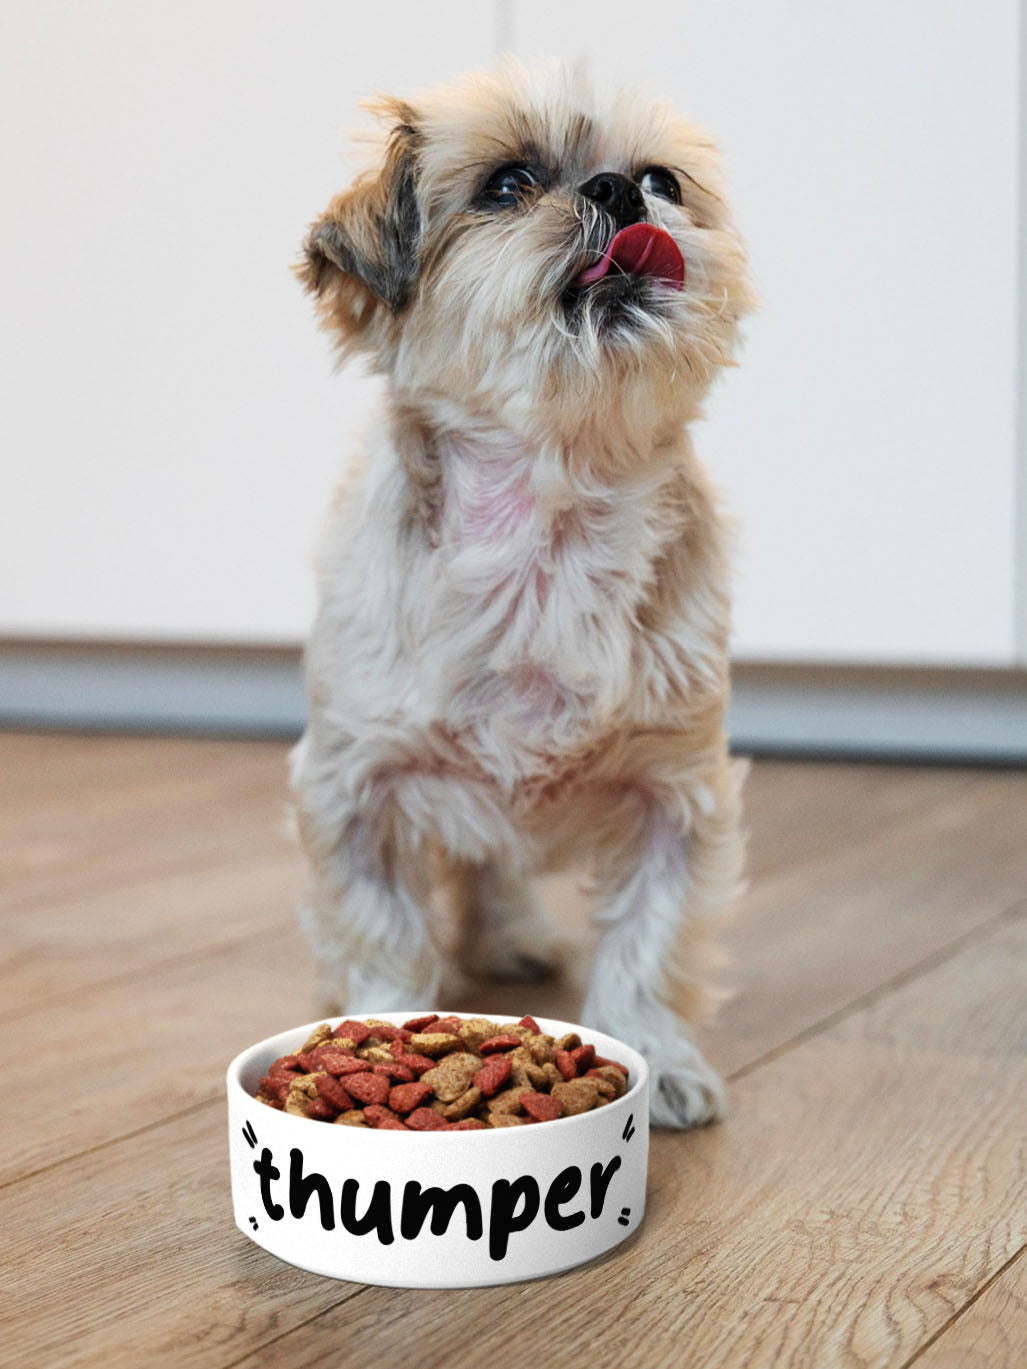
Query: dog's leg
[506, 933]
[365, 910]
[664, 877]
[365, 918]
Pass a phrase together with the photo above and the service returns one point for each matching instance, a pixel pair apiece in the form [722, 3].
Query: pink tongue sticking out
[641, 249]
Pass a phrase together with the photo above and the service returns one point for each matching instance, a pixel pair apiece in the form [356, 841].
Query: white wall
[170, 424]
[869, 440]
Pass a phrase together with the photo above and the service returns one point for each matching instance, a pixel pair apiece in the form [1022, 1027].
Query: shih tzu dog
[520, 654]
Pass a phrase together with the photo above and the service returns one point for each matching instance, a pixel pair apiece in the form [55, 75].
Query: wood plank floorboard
[864, 1203]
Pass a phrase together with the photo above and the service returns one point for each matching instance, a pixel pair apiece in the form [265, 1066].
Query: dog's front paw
[686, 1092]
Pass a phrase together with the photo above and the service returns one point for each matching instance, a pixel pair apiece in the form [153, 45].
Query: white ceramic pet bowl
[450, 1209]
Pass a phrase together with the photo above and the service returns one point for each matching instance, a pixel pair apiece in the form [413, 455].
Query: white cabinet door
[170, 426]
[868, 441]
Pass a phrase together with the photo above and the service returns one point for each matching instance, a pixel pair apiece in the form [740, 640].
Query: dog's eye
[657, 180]
[509, 186]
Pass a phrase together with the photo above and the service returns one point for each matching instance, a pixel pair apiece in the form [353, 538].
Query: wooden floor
[865, 1203]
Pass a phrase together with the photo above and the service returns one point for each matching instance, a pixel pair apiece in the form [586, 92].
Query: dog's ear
[361, 256]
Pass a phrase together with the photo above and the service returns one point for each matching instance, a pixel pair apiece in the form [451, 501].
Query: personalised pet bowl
[437, 1209]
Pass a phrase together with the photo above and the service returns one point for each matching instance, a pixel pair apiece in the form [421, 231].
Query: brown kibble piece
[460, 1107]
[475, 1030]
[612, 1075]
[353, 1118]
[505, 1119]
[568, 1042]
[434, 1044]
[302, 1089]
[452, 1076]
[319, 1034]
[552, 1074]
[507, 1101]
[376, 1055]
[541, 1048]
[576, 1095]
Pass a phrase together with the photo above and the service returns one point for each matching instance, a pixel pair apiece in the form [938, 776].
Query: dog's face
[525, 247]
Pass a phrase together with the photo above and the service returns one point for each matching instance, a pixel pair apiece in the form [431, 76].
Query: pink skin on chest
[490, 512]
[491, 492]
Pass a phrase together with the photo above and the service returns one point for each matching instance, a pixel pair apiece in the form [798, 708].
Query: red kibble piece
[338, 1062]
[450, 1025]
[566, 1064]
[418, 1024]
[368, 1088]
[356, 1031]
[506, 1042]
[332, 1092]
[467, 1124]
[320, 1110]
[406, 1097]
[307, 1062]
[542, 1106]
[426, 1119]
[601, 1060]
[582, 1057]
[531, 1025]
[286, 1062]
[418, 1063]
[276, 1086]
[493, 1075]
[385, 1032]
[382, 1119]
[401, 1073]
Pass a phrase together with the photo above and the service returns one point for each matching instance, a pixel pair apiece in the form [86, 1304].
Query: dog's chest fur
[537, 579]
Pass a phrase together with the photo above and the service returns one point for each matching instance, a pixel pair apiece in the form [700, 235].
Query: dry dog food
[440, 1074]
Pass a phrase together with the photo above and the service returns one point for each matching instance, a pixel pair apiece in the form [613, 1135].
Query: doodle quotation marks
[629, 1128]
[622, 1220]
[250, 1134]
[253, 1223]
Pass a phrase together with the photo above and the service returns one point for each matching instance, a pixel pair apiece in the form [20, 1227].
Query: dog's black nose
[619, 196]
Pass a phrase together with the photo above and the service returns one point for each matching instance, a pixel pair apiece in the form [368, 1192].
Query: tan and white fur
[520, 655]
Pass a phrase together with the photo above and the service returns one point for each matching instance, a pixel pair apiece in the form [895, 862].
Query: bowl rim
[637, 1064]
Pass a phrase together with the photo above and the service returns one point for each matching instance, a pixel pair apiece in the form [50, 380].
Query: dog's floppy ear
[361, 256]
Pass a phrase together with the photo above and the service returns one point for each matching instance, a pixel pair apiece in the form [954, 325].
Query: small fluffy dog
[520, 655]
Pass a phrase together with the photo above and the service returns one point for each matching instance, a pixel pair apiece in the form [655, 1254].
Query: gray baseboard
[788, 710]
